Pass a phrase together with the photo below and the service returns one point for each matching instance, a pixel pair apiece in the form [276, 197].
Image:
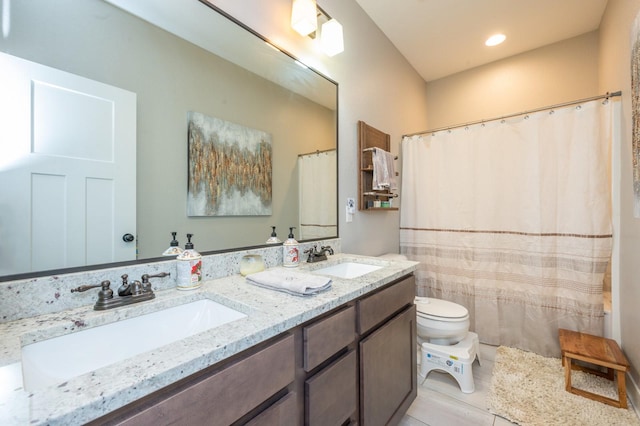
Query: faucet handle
[104, 284]
[105, 292]
[145, 277]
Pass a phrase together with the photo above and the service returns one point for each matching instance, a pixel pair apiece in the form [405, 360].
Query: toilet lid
[439, 308]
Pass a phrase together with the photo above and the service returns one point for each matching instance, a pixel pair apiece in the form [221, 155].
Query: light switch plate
[351, 205]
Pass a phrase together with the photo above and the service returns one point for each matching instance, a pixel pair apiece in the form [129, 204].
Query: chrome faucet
[128, 293]
[317, 256]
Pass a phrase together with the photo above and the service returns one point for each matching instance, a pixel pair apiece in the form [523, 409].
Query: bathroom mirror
[199, 61]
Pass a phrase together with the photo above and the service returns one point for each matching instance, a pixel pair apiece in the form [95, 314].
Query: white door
[67, 169]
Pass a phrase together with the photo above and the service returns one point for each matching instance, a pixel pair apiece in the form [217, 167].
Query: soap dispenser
[189, 267]
[290, 252]
[174, 247]
[273, 239]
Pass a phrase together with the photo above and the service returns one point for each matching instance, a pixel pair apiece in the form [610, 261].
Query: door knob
[127, 238]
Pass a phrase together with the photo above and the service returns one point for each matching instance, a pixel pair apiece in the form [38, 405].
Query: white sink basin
[53, 361]
[348, 269]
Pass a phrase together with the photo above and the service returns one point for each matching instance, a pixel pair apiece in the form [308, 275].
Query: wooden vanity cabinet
[353, 365]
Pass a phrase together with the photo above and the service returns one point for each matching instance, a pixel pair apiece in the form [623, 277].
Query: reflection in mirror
[85, 57]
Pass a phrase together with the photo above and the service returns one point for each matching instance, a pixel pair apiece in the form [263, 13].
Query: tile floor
[441, 403]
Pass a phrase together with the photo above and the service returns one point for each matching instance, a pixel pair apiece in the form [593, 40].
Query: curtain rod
[439, 129]
[317, 152]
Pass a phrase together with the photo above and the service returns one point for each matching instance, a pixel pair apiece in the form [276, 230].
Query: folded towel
[384, 171]
[289, 281]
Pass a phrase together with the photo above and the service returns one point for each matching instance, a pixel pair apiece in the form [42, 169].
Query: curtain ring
[526, 117]
[466, 128]
[503, 121]
[552, 112]
[579, 107]
[606, 101]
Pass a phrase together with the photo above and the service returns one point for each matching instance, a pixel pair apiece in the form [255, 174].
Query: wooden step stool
[594, 350]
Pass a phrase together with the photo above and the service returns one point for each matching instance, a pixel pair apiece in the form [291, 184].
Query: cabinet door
[388, 381]
[331, 395]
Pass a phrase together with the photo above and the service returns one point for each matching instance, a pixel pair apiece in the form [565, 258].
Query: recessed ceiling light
[495, 40]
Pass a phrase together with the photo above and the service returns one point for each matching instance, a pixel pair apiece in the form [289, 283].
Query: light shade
[304, 18]
[331, 37]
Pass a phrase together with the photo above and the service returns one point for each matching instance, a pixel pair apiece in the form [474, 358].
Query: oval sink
[348, 269]
[55, 360]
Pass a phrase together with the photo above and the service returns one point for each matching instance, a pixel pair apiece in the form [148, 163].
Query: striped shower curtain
[512, 219]
[317, 195]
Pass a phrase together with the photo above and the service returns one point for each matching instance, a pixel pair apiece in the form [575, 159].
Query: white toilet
[445, 342]
[441, 322]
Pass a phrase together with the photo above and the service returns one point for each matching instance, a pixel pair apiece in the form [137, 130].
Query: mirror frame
[94, 267]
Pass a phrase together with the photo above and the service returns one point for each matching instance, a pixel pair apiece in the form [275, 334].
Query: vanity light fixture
[331, 38]
[304, 18]
[495, 40]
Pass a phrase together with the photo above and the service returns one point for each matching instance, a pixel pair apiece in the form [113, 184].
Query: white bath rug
[529, 389]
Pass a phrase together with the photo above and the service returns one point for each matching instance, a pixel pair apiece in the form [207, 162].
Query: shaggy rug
[528, 389]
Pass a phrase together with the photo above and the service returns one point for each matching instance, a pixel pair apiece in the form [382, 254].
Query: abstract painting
[635, 113]
[229, 168]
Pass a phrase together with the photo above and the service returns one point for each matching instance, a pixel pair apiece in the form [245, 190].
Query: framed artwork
[635, 113]
[230, 168]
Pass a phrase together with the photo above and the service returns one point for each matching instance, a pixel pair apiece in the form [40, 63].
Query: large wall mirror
[166, 59]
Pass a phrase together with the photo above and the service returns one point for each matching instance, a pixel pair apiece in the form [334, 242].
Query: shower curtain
[317, 187]
[511, 218]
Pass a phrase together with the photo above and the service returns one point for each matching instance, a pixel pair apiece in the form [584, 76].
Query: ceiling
[443, 37]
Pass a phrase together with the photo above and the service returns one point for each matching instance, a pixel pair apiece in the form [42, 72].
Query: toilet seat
[440, 310]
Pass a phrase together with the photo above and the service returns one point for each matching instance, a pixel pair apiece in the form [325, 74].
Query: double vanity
[224, 353]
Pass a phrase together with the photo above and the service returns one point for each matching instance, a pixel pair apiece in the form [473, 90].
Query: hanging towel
[384, 171]
[288, 281]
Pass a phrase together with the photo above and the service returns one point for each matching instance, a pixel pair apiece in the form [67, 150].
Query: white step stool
[456, 360]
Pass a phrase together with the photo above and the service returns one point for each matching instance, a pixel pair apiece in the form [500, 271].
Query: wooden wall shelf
[370, 137]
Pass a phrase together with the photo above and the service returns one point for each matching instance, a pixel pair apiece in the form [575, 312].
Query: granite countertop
[90, 396]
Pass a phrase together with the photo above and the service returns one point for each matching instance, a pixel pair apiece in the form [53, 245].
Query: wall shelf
[370, 138]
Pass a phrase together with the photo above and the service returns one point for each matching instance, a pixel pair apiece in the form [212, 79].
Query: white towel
[289, 281]
[384, 171]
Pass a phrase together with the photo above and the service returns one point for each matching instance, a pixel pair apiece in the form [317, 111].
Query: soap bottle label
[291, 256]
[189, 273]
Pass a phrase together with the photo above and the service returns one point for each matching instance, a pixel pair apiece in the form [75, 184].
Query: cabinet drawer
[281, 413]
[374, 309]
[228, 394]
[327, 336]
[331, 395]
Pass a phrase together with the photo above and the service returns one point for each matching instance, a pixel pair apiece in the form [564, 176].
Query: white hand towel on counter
[289, 281]
[384, 171]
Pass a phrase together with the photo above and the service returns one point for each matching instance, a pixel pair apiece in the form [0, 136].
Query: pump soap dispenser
[273, 239]
[290, 253]
[189, 267]
[174, 247]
